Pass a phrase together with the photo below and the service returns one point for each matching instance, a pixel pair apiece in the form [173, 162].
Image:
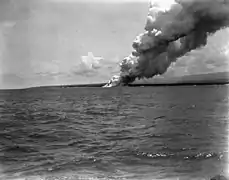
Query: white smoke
[173, 28]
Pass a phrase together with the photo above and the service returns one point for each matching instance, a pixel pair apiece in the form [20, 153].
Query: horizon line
[128, 85]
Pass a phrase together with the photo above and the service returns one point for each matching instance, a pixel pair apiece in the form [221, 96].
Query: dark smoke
[173, 28]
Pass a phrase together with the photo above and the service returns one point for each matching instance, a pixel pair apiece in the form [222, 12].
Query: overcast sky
[42, 42]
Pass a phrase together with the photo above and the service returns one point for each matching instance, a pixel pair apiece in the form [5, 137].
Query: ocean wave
[97, 175]
[51, 136]
[196, 156]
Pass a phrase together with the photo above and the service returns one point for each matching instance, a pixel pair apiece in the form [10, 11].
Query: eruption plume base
[115, 81]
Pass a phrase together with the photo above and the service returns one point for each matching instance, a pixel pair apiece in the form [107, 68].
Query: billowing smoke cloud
[173, 28]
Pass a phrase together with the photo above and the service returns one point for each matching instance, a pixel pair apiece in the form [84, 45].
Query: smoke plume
[173, 28]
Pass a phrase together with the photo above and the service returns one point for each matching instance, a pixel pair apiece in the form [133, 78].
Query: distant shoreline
[180, 84]
[99, 85]
[145, 84]
[220, 78]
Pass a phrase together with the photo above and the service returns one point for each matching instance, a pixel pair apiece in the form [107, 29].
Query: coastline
[220, 78]
[100, 85]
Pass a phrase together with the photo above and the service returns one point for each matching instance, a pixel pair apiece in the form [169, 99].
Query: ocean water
[114, 133]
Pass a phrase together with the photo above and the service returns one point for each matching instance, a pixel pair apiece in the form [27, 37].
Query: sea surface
[136, 133]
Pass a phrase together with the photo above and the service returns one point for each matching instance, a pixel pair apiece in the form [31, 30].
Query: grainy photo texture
[114, 89]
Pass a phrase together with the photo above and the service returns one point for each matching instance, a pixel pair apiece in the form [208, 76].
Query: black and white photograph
[114, 89]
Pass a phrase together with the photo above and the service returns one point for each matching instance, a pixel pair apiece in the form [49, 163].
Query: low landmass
[219, 78]
[200, 79]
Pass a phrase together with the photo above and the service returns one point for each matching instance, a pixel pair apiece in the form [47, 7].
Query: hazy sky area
[42, 42]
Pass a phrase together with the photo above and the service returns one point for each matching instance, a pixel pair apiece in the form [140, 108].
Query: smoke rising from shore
[173, 28]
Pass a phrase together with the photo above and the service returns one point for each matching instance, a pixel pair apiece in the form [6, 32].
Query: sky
[47, 42]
